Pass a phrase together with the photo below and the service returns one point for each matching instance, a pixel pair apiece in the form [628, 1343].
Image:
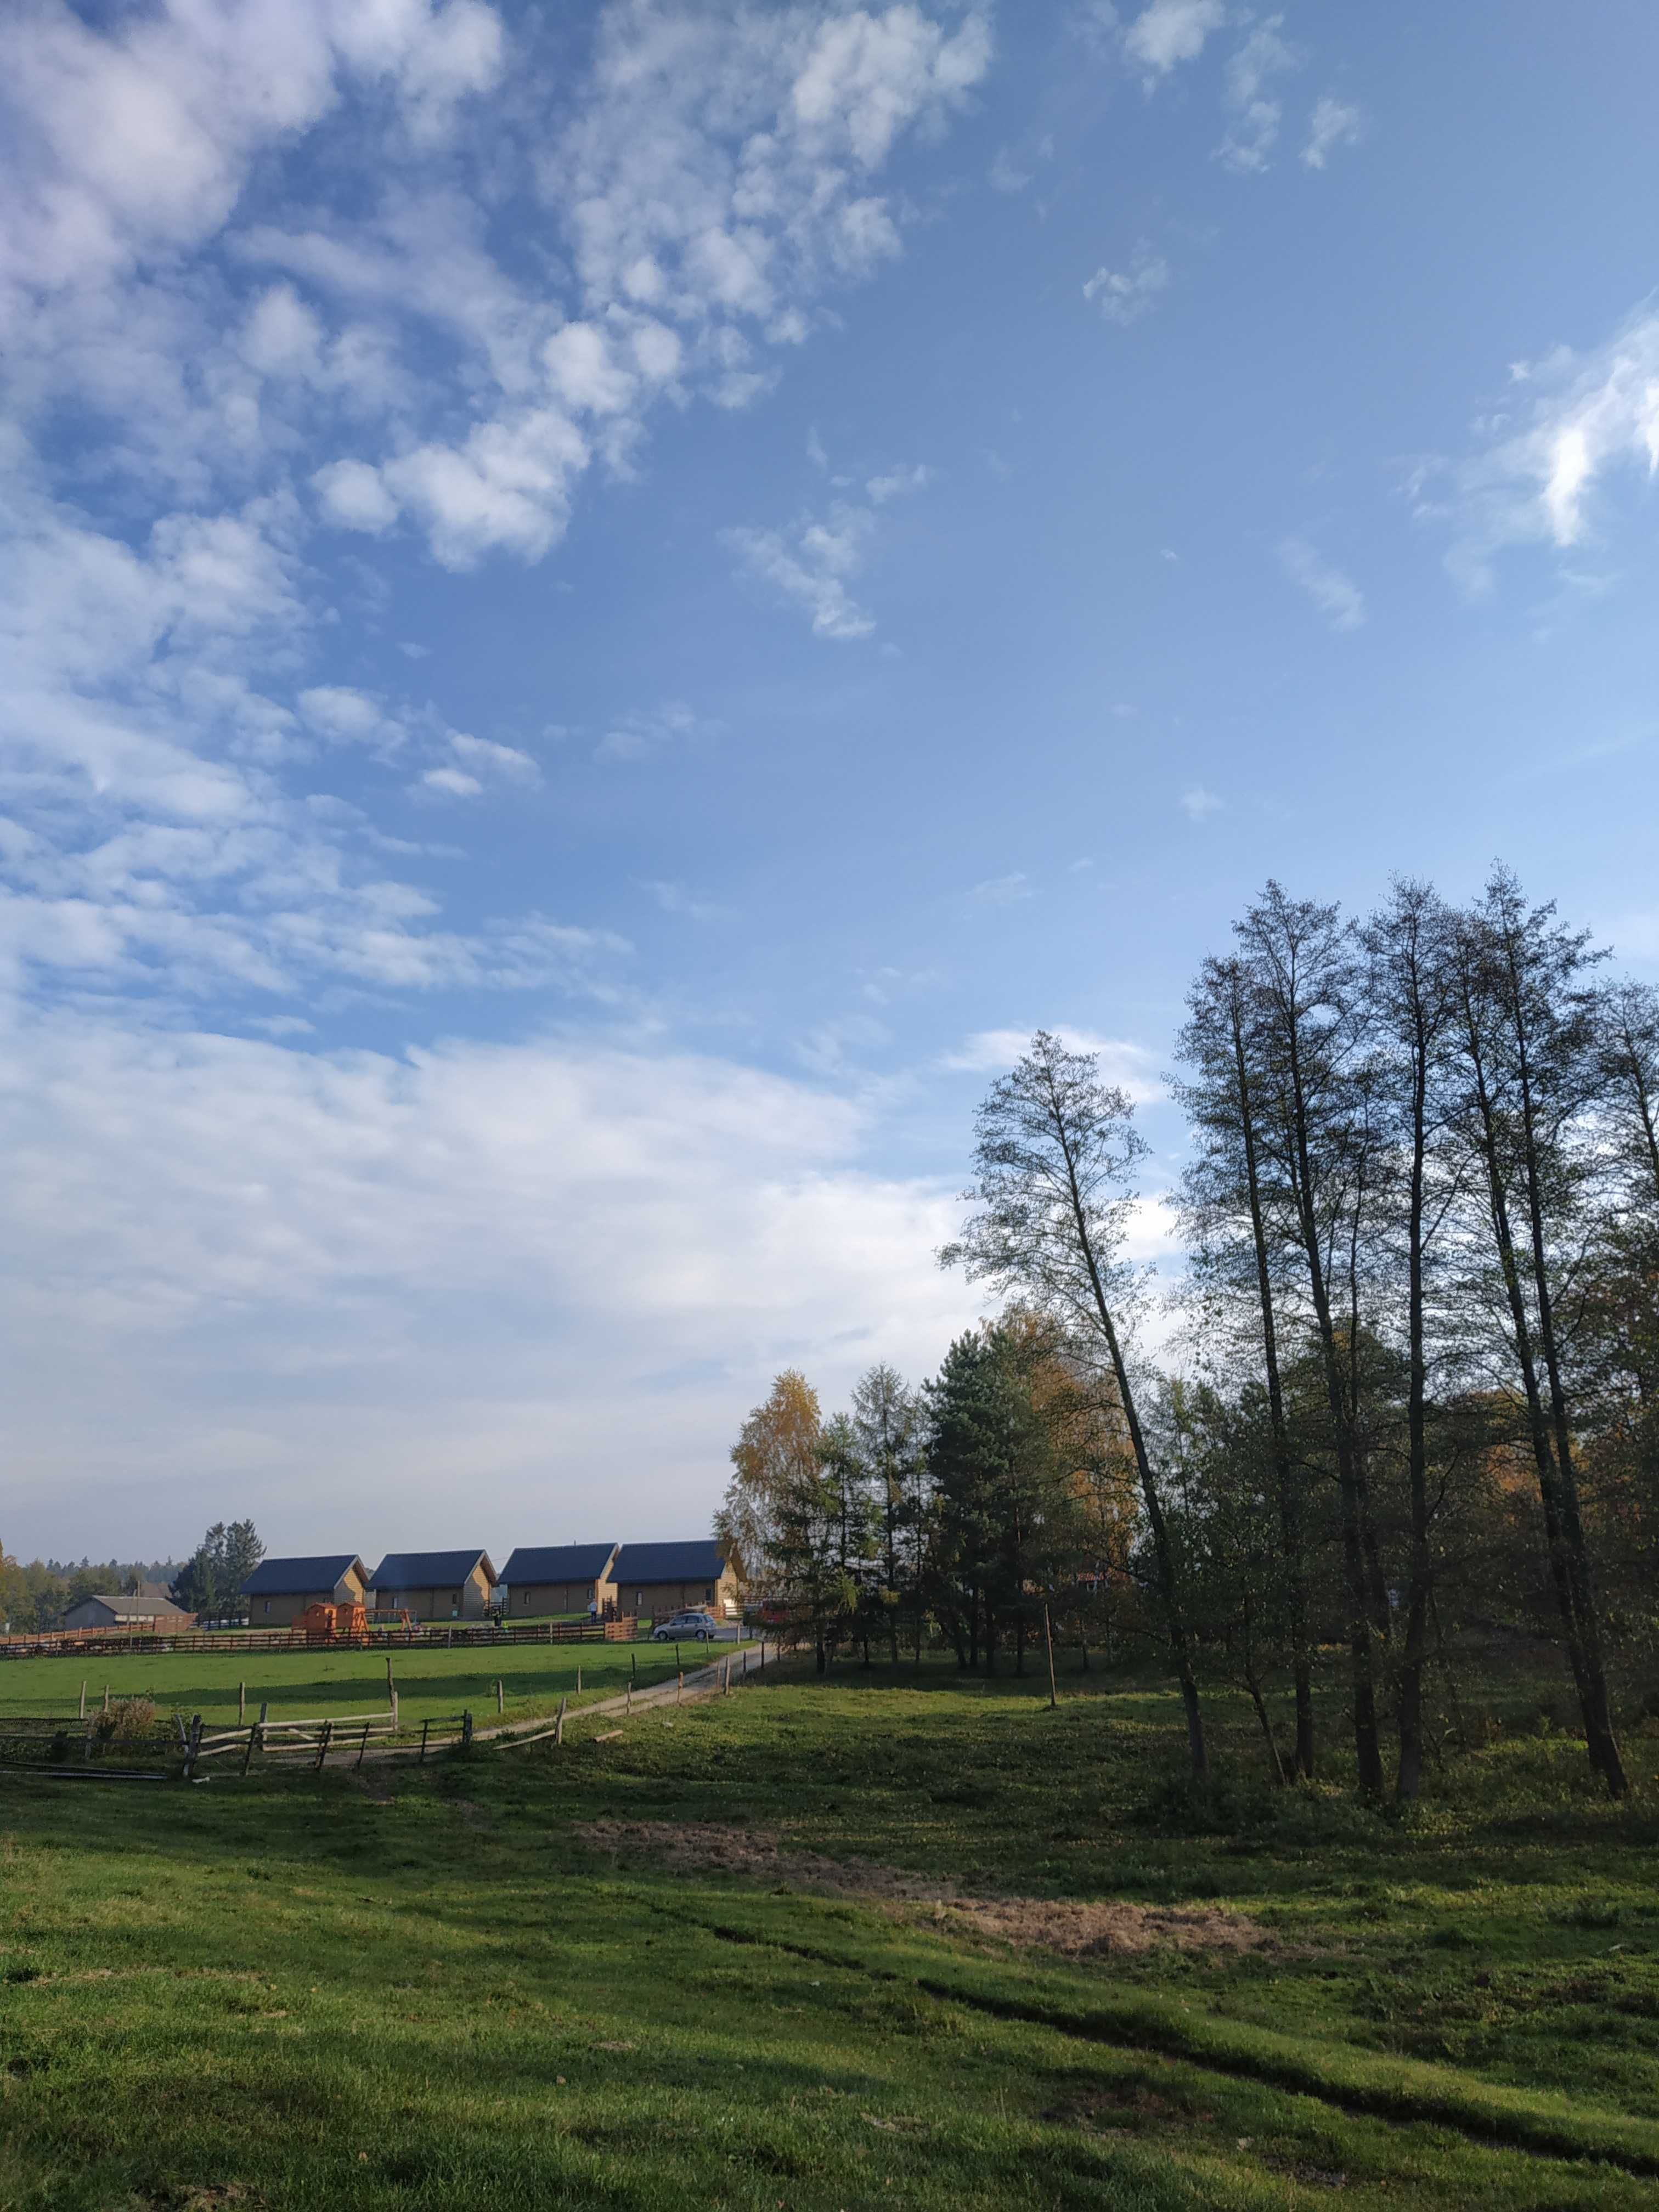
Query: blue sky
[606, 605]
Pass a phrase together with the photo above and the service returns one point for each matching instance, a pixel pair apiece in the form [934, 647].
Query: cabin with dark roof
[279, 1590]
[654, 1580]
[436, 1585]
[544, 1582]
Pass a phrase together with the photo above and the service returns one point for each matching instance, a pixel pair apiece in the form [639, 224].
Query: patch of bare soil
[1085, 1928]
[1077, 1927]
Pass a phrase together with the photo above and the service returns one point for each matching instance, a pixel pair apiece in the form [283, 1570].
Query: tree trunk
[1562, 1575]
[1367, 1748]
[1286, 1481]
[1163, 1551]
[1603, 1743]
[1408, 1777]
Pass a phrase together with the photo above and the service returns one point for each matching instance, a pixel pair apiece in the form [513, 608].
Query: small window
[267, 1605]
[708, 1597]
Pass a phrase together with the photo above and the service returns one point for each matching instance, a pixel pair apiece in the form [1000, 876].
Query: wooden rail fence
[231, 1643]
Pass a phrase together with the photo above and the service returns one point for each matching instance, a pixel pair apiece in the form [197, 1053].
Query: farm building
[279, 1590]
[655, 1579]
[543, 1579]
[436, 1585]
[148, 1607]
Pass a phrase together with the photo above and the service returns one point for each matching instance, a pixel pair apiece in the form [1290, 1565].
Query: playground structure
[348, 1624]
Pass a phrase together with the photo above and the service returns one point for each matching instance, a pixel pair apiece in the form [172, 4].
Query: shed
[545, 1579]
[279, 1590]
[436, 1585]
[655, 1579]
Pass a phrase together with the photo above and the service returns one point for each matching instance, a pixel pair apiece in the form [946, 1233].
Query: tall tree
[1055, 1150]
[1411, 1007]
[1530, 1072]
[1301, 964]
[887, 1421]
[776, 1452]
[1227, 1196]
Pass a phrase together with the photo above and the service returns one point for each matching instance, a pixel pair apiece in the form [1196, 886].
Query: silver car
[690, 1628]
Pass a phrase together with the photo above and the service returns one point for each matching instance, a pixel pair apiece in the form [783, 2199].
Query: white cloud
[639, 734]
[501, 764]
[1334, 123]
[1006, 173]
[452, 782]
[1132, 1067]
[1592, 416]
[894, 484]
[349, 716]
[1123, 296]
[1170, 31]
[354, 497]
[1336, 596]
[1004, 891]
[812, 563]
[1198, 803]
[425, 1265]
[1256, 113]
[675, 899]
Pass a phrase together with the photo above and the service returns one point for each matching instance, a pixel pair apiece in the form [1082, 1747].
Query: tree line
[1410, 1375]
[35, 1596]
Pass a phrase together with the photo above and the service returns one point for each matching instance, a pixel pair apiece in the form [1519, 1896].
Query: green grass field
[433, 1683]
[436, 1989]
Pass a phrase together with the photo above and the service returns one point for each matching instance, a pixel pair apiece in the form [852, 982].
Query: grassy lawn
[432, 1988]
[433, 1683]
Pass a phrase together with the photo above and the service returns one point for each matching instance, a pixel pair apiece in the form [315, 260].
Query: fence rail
[457, 1635]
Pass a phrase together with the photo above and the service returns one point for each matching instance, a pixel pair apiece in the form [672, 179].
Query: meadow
[433, 1683]
[817, 1946]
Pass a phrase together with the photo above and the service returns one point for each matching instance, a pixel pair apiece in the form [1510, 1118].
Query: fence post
[107, 1697]
[628, 1700]
[558, 1725]
[363, 1745]
[579, 1681]
[500, 1704]
[1048, 1638]
[83, 1700]
[425, 1725]
[466, 1731]
[679, 1686]
[193, 1745]
[322, 1742]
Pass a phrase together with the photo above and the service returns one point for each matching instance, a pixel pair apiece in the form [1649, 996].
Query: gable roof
[427, 1570]
[293, 1578]
[134, 1608]
[558, 1563]
[703, 1560]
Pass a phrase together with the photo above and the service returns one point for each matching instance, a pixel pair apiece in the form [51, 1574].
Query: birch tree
[1055, 1155]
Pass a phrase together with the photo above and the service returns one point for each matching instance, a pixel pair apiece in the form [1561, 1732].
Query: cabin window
[267, 1605]
[708, 1597]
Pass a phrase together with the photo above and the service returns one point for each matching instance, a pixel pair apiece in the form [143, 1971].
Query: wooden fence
[89, 1748]
[232, 1643]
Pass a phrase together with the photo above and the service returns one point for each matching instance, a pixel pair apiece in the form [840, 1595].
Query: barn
[542, 1581]
[436, 1585]
[654, 1580]
[279, 1590]
[149, 1608]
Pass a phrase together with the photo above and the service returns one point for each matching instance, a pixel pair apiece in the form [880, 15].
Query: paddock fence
[232, 1642]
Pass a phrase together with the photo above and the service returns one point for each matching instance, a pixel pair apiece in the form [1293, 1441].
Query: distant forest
[1408, 1383]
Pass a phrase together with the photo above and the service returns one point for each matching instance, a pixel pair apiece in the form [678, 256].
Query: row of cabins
[537, 1582]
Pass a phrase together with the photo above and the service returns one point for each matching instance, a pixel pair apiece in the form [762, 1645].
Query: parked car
[693, 1626]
